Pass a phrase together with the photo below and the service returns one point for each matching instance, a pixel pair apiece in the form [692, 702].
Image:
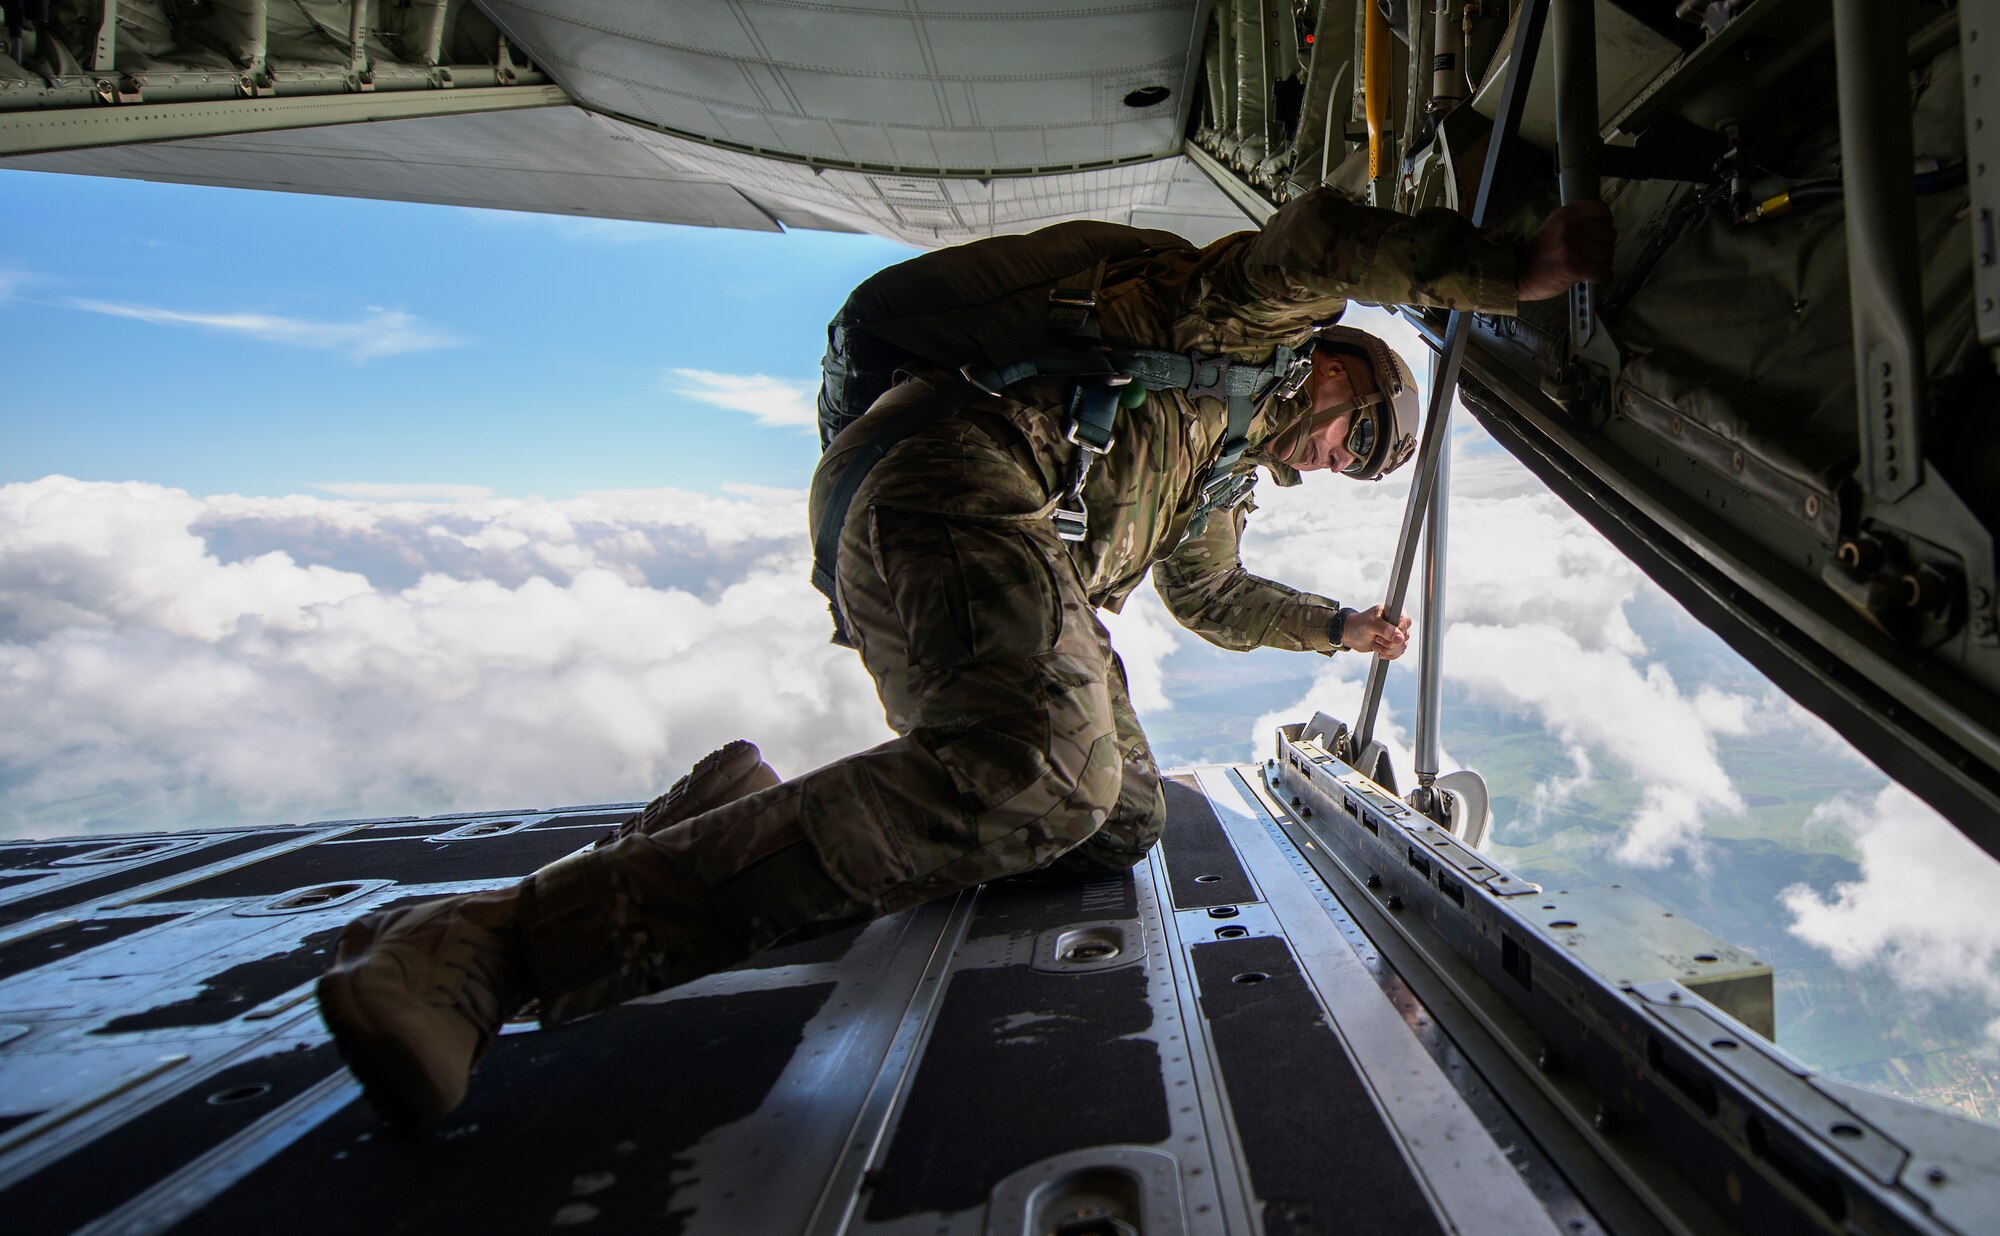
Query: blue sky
[540, 356]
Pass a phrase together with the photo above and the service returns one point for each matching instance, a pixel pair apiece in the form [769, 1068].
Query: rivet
[1812, 506]
[1935, 1175]
[1674, 425]
[1736, 461]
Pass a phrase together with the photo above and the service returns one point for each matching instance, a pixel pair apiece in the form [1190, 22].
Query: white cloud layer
[382, 332]
[182, 659]
[1536, 621]
[404, 491]
[773, 401]
[1923, 905]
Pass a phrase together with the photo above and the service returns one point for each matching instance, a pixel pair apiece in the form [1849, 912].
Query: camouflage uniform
[1018, 747]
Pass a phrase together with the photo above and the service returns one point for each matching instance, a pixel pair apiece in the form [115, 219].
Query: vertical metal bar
[1576, 133]
[104, 51]
[1979, 56]
[1253, 86]
[357, 37]
[1430, 651]
[430, 37]
[257, 42]
[1225, 56]
[1444, 377]
[1869, 39]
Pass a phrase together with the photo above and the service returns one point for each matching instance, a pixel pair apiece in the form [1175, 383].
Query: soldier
[1018, 749]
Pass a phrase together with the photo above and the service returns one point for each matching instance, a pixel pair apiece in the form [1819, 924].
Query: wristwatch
[1336, 627]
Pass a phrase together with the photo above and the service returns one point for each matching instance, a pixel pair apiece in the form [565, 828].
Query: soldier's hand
[1574, 246]
[1371, 631]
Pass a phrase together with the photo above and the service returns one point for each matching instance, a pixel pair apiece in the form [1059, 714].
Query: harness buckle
[1216, 385]
[1294, 378]
[1071, 524]
[1091, 438]
[1070, 308]
[1225, 491]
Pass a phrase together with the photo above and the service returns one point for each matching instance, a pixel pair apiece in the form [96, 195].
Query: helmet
[1383, 434]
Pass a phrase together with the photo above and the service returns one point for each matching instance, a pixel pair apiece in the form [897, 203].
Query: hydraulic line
[1375, 84]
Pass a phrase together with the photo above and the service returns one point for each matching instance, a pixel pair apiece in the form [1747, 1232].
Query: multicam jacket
[1242, 296]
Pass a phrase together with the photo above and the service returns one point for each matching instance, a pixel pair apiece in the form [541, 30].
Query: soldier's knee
[1029, 758]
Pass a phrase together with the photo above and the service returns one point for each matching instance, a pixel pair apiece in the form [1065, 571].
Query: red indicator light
[1309, 40]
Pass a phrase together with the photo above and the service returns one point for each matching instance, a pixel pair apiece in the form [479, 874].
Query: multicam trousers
[1018, 747]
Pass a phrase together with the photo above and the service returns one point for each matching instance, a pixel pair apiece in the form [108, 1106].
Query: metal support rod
[255, 52]
[1444, 376]
[1430, 651]
[1576, 134]
[104, 49]
[357, 37]
[1253, 87]
[1869, 41]
[430, 31]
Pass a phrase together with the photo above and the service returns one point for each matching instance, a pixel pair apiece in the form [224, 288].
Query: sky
[314, 508]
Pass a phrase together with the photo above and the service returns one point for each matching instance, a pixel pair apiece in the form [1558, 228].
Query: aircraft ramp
[1232, 1037]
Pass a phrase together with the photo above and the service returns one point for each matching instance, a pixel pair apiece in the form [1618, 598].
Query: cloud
[398, 491]
[383, 332]
[1923, 905]
[10, 283]
[1538, 622]
[773, 401]
[1604, 700]
[245, 660]
[1144, 635]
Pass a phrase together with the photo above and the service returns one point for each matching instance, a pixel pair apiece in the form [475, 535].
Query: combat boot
[722, 776]
[415, 997]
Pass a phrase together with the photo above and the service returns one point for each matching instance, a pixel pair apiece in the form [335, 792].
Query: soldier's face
[1326, 445]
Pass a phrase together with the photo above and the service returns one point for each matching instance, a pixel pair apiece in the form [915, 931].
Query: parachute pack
[987, 304]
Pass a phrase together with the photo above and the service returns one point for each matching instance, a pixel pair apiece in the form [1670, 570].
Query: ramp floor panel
[1087, 1044]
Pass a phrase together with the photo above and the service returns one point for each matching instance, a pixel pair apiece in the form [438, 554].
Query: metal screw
[1674, 425]
[1736, 461]
[1935, 1175]
[1548, 1061]
[1395, 901]
[1812, 506]
[1374, 881]
[1605, 1121]
[1981, 598]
